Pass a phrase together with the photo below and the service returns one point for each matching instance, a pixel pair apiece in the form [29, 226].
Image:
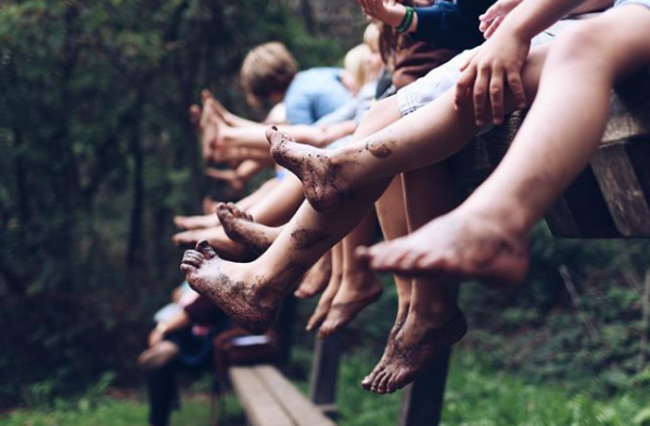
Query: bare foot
[251, 300]
[388, 351]
[240, 227]
[414, 346]
[356, 292]
[316, 278]
[456, 246]
[325, 302]
[313, 167]
[196, 222]
[218, 239]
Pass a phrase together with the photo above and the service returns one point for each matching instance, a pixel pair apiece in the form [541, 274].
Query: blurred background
[96, 157]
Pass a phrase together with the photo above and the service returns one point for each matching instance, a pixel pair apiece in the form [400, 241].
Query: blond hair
[356, 65]
[267, 69]
[371, 37]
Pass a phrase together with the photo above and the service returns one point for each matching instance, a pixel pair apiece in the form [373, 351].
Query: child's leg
[433, 322]
[487, 236]
[424, 137]
[316, 278]
[250, 293]
[359, 287]
[241, 228]
[279, 204]
[332, 288]
[391, 212]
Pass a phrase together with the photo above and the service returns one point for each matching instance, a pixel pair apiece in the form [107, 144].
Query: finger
[496, 95]
[517, 88]
[463, 85]
[480, 94]
[493, 27]
[492, 12]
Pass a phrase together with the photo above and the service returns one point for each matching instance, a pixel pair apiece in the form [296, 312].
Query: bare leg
[486, 238]
[280, 204]
[434, 321]
[251, 292]
[325, 301]
[241, 228]
[391, 212]
[211, 220]
[316, 278]
[359, 287]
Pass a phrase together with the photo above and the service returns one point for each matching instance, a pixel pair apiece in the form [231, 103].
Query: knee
[579, 46]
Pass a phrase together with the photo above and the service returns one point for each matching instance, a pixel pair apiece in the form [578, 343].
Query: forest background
[97, 155]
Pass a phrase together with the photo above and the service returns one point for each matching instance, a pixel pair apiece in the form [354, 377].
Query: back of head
[356, 66]
[268, 69]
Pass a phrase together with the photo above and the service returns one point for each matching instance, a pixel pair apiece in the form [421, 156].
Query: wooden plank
[260, 406]
[620, 170]
[582, 211]
[299, 408]
[325, 372]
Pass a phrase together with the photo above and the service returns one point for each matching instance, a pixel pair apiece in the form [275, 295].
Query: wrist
[395, 15]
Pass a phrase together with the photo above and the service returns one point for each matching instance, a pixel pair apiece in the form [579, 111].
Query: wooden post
[423, 399]
[284, 328]
[324, 374]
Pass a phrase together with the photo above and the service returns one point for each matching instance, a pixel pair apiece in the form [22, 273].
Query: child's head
[267, 72]
[355, 75]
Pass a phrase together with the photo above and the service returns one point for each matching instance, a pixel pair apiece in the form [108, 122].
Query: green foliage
[96, 156]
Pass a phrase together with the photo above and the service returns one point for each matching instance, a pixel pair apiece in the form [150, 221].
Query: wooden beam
[325, 372]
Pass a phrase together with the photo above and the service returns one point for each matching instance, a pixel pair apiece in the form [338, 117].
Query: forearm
[178, 322]
[532, 17]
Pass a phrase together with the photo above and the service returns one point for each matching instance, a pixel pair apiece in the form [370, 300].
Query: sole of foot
[455, 247]
[312, 166]
[215, 279]
[414, 347]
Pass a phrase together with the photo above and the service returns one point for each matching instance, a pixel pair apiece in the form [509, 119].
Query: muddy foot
[355, 294]
[240, 227]
[316, 279]
[414, 346]
[388, 352]
[248, 303]
[456, 246]
[312, 166]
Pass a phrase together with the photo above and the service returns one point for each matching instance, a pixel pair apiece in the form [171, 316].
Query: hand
[498, 60]
[157, 335]
[493, 17]
[387, 11]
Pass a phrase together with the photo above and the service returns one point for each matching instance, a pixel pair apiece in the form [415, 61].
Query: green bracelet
[406, 21]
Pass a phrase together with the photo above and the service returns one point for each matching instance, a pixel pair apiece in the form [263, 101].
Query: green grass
[476, 396]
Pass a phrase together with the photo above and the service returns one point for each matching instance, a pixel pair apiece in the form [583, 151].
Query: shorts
[433, 85]
[645, 3]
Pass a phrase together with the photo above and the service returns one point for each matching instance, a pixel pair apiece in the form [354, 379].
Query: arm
[442, 24]
[177, 322]
[500, 59]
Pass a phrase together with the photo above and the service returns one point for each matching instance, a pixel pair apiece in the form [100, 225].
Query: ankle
[509, 216]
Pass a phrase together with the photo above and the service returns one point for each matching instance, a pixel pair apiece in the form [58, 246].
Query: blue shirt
[450, 25]
[313, 94]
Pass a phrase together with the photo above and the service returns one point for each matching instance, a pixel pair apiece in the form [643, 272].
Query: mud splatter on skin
[378, 148]
[406, 360]
[252, 305]
[313, 167]
[305, 239]
[400, 320]
[240, 227]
